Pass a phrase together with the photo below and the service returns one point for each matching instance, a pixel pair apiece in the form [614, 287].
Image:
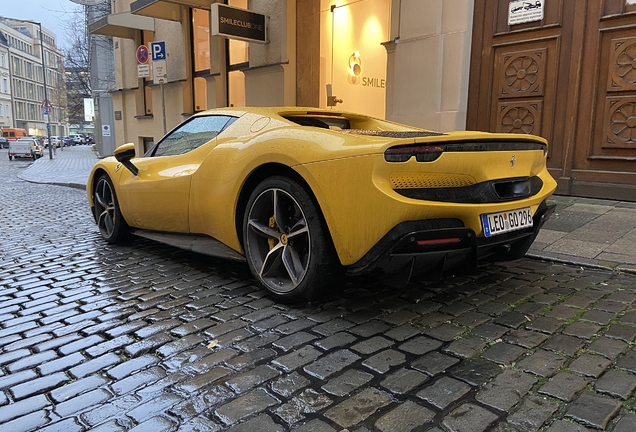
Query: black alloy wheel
[111, 223]
[286, 242]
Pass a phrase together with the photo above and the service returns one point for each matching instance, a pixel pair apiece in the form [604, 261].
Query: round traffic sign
[142, 54]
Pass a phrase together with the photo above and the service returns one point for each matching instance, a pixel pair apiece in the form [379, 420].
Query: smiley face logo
[355, 64]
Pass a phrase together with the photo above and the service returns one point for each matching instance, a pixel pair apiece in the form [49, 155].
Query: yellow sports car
[305, 194]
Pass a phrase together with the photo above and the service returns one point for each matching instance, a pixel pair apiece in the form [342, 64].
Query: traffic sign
[159, 72]
[46, 104]
[143, 70]
[142, 54]
[158, 50]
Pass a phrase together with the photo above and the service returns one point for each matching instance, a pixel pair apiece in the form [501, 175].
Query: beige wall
[270, 79]
[428, 56]
[428, 63]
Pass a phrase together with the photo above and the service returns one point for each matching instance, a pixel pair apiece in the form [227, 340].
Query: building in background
[6, 119]
[561, 69]
[27, 77]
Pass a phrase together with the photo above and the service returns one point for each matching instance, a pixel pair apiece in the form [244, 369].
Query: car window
[191, 135]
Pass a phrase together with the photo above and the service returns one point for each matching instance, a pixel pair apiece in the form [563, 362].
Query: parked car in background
[25, 148]
[39, 149]
[4, 143]
[77, 139]
[56, 140]
[66, 141]
[13, 134]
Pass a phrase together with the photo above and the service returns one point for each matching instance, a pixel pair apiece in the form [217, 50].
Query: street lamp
[46, 96]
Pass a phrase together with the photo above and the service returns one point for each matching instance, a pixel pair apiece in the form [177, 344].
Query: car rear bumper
[435, 246]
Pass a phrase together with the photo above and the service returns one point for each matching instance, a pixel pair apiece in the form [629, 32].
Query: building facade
[28, 71]
[6, 118]
[436, 64]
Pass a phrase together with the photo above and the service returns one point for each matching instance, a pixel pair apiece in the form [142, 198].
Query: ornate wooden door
[570, 78]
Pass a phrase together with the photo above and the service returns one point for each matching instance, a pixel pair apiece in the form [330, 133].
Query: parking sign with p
[158, 50]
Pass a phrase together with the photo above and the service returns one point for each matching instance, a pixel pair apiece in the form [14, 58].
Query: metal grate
[410, 180]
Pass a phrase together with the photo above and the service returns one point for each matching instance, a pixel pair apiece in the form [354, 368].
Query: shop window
[201, 56]
[236, 88]
[147, 142]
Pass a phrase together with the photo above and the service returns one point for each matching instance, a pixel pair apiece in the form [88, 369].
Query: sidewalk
[583, 231]
[591, 232]
[69, 167]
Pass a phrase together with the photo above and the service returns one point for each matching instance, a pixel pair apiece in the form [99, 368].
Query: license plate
[512, 220]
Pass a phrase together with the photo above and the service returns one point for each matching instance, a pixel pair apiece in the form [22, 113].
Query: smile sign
[235, 23]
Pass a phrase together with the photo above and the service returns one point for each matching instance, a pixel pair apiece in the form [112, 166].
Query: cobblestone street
[145, 337]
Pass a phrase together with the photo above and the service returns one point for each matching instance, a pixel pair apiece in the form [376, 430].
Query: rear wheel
[286, 242]
[111, 223]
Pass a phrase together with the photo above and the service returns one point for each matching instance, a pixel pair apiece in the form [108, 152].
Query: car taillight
[421, 153]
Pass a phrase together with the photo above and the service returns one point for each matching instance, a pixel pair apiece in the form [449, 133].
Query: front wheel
[111, 223]
[286, 242]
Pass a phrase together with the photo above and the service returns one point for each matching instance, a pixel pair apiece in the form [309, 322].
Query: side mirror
[124, 154]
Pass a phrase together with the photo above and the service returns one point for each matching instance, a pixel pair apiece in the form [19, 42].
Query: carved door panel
[570, 78]
[517, 72]
[524, 101]
[606, 135]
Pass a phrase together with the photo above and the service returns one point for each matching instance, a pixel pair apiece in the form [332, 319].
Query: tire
[286, 242]
[110, 221]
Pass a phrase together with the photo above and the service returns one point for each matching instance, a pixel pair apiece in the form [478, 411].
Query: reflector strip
[438, 241]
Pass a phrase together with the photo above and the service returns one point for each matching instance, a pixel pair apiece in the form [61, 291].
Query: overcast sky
[53, 14]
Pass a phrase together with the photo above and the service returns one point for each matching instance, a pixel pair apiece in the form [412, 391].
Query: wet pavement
[147, 337]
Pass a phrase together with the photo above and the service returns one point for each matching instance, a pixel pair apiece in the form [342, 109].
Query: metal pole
[46, 96]
[163, 110]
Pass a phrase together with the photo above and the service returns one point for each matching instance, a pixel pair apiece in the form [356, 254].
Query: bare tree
[76, 66]
[82, 80]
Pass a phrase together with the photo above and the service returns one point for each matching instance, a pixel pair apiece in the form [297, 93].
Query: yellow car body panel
[353, 235]
[198, 192]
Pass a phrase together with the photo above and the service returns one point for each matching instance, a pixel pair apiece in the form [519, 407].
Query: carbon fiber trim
[392, 134]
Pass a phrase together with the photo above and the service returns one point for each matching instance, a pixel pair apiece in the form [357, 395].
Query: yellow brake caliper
[272, 241]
